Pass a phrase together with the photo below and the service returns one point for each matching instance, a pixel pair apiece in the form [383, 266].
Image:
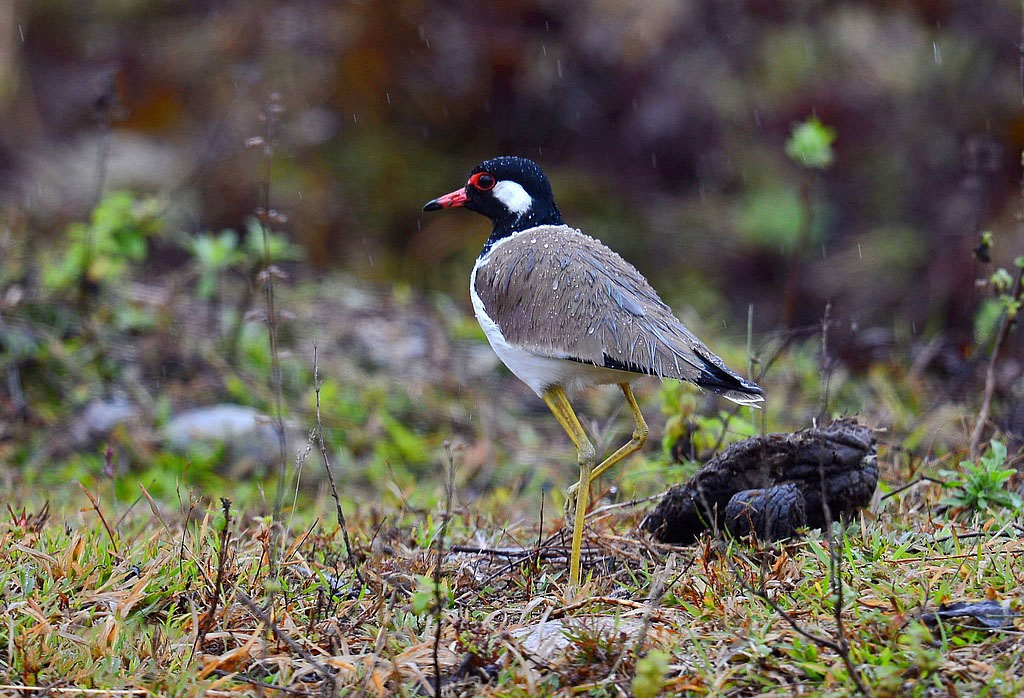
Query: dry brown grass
[150, 618]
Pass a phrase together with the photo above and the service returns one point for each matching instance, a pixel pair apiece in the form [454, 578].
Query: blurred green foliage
[773, 218]
[428, 592]
[214, 255]
[649, 678]
[101, 249]
[810, 144]
[669, 131]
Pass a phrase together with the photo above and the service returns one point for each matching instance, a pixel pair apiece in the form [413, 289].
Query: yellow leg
[558, 403]
[640, 432]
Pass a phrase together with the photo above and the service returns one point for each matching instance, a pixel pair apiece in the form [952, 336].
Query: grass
[88, 608]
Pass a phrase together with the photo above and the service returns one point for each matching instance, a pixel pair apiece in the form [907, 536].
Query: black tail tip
[717, 377]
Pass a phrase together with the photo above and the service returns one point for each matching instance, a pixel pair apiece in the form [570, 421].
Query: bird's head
[511, 191]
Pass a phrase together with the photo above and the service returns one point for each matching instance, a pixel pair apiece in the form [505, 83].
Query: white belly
[537, 371]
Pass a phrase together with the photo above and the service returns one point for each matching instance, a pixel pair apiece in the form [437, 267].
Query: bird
[564, 312]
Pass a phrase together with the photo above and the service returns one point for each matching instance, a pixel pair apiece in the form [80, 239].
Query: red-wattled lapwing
[564, 312]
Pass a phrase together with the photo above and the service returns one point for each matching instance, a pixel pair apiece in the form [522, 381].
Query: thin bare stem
[655, 594]
[207, 621]
[329, 685]
[1005, 326]
[352, 561]
[96, 506]
[912, 483]
[835, 578]
[439, 553]
[826, 364]
[270, 117]
[14, 389]
[835, 569]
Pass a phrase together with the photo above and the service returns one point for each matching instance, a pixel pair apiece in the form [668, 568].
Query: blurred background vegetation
[765, 154]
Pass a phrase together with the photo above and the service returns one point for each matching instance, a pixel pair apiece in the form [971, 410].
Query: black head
[511, 191]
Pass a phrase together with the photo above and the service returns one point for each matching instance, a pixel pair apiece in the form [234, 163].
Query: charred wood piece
[771, 485]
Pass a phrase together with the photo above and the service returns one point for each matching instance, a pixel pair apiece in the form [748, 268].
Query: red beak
[453, 200]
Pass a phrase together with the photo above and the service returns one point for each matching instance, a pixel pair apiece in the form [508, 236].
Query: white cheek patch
[513, 196]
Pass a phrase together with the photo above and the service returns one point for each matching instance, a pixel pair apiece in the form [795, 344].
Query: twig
[912, 483]
[793, 268]
[104, 105]
[785, 338]
[352, 562]
[96, 506]
[988, 535]
[207, 621]
[242, 306]
[439, 552]
[835, 578]
[265, 215]
[535, 557]
[631, 604]
[71, 690]
[329, 679]
[235, 676]
[654, 597]
[183, 548]
[750, 360]
[622, 505]
[545, 551]
[763, 595]
[943, 558]
[120, 520]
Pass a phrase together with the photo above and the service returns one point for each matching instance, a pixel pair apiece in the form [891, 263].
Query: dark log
[772, 485]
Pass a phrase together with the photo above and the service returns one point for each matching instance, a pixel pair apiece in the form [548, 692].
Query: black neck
[503, 227]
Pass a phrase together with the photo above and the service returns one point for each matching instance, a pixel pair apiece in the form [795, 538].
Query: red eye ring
[482, 181]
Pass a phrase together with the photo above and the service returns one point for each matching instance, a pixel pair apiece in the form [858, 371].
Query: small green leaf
[810, 144]
[995, 455]
[1000, 280]
[986, 320]
[425, 598]
[649, 680]
[278, 247]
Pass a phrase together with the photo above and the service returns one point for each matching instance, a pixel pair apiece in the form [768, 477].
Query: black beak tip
[434, 205]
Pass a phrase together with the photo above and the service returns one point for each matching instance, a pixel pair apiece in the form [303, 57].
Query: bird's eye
[483, 181]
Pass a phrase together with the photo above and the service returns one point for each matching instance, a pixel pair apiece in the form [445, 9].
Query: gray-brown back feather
[559, 293]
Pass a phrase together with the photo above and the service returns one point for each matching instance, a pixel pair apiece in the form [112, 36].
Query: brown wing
[557, 292]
